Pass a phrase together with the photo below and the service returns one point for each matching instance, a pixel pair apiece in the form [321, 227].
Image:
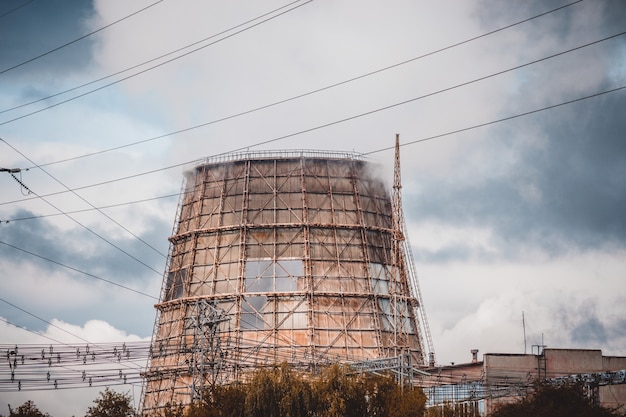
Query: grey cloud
[448, 253]
[582, 324]
[41, 237]
[574, 158]
[40, 27]
[589, 331]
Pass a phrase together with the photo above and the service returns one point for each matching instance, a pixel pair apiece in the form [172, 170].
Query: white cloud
[434, 237]
[65, 401]
[472, 305]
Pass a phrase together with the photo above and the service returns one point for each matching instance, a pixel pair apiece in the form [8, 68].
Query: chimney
[474, 355]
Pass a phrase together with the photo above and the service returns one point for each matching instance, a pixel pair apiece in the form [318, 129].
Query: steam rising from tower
[294, 257]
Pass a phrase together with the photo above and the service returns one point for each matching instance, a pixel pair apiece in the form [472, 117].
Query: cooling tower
[278, 257]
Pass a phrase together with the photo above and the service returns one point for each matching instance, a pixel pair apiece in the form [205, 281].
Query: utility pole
[12, 172]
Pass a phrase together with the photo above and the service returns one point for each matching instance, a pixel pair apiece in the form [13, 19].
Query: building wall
[561, 362]
[502, 377]
[612, 363]
[510, 368]
[554, 363]
[613, 397]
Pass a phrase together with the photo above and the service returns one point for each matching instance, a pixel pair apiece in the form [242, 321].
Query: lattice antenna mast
[402, 250]
[398, 216]
[398, 307]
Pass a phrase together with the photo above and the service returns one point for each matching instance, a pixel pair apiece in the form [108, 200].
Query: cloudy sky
[104, 104]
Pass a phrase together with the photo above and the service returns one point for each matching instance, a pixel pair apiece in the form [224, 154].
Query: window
[379, 278]
[267, 275]
[174, 285]
[252, 309]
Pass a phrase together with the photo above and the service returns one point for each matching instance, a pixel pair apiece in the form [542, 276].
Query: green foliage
[282, 392]
[554, 401]
[337, 394]
[111, 404]
[28, 409]
[173, 411]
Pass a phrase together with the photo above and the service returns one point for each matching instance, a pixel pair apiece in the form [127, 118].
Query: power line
[107, 358]
[307, 93]
[89, 203]
[105, 182]
[362, 115]
[392, 106]
[77, 270]
[43, 320]
[28, 330]
[148, 61]
[153, 67]
[15, 9]
[318, 127]
[504, 119]
[336, 122]
[366, 153]
[127, 203]
[94, 232]
[76, 40]
[83, 199]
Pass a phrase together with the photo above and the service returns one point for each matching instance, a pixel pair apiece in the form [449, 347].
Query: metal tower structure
[403, 255]
[293, 257]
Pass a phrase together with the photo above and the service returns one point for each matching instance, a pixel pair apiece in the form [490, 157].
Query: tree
[277, 392]
[335, 394]
[280, 391]
[219, 401]
[28, 409]
[548, 400]
[111, 404]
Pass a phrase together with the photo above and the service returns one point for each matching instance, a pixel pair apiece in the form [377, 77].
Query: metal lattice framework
[294, 257]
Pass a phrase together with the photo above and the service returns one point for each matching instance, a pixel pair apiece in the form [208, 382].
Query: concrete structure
[504, 377]
[281, 257]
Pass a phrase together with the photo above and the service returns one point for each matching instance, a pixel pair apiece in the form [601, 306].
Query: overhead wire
[44, 360]
[84, 187]
[43, 320]
[15, 9]
[504, 119]
[29, 330]
[44, 367]
[153, 67]
[148, 61]
[336, 122]
[510, 117]
[61, 329]
[126, 203]
[85, 200]
[49, 363]
[77, 39]
[96, 233]
[77, 270]
[66, 266]
[377, 110]
[313, 91]
[93, 206]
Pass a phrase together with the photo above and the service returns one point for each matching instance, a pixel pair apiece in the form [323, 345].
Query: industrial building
[504, 377]
[287, 256]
